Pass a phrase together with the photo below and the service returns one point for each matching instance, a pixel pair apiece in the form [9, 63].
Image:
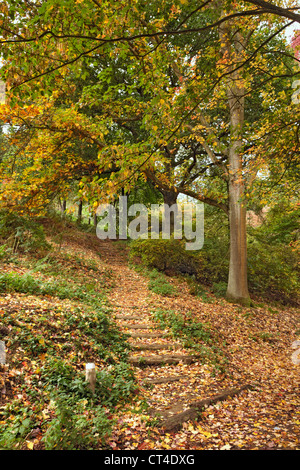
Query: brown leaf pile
[255, 343]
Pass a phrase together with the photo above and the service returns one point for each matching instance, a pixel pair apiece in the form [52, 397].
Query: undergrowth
[158, 282]
[194, 335]
[66, 324]
[29, 284]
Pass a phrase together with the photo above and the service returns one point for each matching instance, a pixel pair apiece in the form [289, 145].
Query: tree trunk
[170, 199]
[63, 207]
[95, 219]
[237, 289]
[79, 215]
[232, 48]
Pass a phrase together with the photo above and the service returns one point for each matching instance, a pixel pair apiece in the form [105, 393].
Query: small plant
[77, 427]
[220, 288]
[198, 290]
[20, 420]
[14, 282]
[265, 336]
[82, 419]
[194, 335]
[160, 286]
[6, 253]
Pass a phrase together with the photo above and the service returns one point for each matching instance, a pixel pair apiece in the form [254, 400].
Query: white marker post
[2, 92]
[296, 354]
[90, 375]
[2, 353]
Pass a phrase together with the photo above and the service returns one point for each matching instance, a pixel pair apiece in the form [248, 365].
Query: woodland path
[254, 405]
[243, 396]
[176, 380]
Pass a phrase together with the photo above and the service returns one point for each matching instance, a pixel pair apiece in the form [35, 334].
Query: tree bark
[95, 219]
[237, 289]
[79, 215]
[232, 49]
[170, 199]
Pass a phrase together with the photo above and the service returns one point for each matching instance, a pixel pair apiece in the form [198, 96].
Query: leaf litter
[255, 343]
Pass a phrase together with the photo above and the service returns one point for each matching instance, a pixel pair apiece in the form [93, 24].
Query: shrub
[220, 288]
[168, 255]
[26, 283]
[21, 233]
[273, 269]
[273, 255]
[83, 420]
[6, 253]
[113, 385]
[14, 282]
[77, 427]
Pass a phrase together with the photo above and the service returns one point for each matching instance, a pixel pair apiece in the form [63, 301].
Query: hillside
[174, 370]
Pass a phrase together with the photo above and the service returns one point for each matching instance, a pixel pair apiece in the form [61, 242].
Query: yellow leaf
[226, 447]
[30, 445]
[45, 414]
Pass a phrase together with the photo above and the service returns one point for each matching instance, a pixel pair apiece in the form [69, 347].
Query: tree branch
[276, 10]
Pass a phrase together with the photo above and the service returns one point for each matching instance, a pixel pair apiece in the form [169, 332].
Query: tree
[186, 72]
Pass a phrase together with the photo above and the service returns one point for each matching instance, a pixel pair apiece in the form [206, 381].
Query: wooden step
[139, 326]
[147, 335]
[127, 317]
[174, 420]
[155, 346]
[164, 380]
[144, 361]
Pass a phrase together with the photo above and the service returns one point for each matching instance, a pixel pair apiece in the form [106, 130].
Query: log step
[155, 346]
[147, 335]
[128, 317]
[139, 326]
[174, 423]
[165, 380]
[144, 361]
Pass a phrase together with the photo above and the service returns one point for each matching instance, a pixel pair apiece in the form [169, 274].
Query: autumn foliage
[161, 102]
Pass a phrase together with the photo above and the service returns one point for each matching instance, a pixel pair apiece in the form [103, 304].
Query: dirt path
[178, 385]
[255, 342]
[244, 396]
[172, 372]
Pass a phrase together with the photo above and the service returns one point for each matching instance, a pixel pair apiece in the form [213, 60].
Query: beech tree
[178, 114]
